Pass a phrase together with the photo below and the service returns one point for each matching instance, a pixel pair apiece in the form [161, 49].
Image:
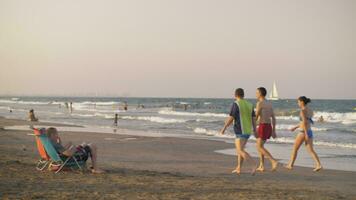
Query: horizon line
[156, 97]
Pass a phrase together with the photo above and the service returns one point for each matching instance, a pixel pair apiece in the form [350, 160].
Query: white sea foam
[155, 119]
[211, 132]
[344, 118]
[99, 103]
[183, 103]
[193, 114]
[316, 142]
[291, 118]
[106, 116]
[6, 101]
[285, 140]
[289, 126]
[332, 117]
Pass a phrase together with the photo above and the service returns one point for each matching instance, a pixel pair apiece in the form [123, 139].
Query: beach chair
[58, 162]
[45, 159]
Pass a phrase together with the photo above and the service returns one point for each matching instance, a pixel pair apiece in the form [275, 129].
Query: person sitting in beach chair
[84, 151]
[31, 116]
[51, 158]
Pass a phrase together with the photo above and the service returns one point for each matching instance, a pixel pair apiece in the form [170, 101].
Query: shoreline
[280, 150]
[161, 167]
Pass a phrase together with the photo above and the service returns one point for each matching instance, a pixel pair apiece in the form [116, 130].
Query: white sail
[274, 92]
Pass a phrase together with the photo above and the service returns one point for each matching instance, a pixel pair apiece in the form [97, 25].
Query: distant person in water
[116, 119]
[266, 128]
[66, 105]
[321, 119]
[31, 116]
[71, 107]
[305, 135]
[125, 106]
[87, 150]
[243, 117]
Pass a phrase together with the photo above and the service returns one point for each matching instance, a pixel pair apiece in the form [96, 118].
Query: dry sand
[155, 168]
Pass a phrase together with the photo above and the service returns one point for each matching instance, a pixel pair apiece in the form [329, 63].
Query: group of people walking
[245, 118]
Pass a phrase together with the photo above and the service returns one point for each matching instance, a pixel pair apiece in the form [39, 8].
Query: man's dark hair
[263, 91]
[239, 92]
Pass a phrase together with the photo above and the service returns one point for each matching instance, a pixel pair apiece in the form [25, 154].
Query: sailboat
[274, 93]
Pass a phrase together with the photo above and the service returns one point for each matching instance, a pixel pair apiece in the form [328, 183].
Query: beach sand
[155, 168]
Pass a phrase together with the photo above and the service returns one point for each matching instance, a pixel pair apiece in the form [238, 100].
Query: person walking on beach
[243, 116]
[265, 116]
[305, 135]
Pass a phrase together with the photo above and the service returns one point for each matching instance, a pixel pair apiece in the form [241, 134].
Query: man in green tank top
[243, 116]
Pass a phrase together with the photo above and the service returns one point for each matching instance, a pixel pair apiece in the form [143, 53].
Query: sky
[178, 48]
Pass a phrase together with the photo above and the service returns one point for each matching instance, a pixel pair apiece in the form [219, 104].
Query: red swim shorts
[264, 131]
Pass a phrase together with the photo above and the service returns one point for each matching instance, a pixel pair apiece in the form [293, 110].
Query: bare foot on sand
[317, 168]
[288, 167]
[260, 169]
[237, 171]
[274, 166]
[97, 171]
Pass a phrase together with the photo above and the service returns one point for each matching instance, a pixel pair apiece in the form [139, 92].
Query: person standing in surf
[305, 135]
[116, 119]
[266, 128]
[243, 117]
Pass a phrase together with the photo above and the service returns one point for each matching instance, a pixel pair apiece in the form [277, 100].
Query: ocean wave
[291, 118]
[6, 101]
[5, 108]
[13, 109]
[183, 103]
[289, 126]
[331, 117]
[316, 142]
[205, 131]
[155, 119]
[99, 103]
[193, 114]
[344, 118]
[285, 140]
[106, 116]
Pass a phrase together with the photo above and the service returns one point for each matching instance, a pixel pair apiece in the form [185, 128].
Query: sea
[200, 118]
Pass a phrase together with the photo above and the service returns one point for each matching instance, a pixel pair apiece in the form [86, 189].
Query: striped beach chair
[45, 159]
[57, 162]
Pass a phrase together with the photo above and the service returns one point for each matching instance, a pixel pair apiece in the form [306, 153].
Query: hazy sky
[178, 48]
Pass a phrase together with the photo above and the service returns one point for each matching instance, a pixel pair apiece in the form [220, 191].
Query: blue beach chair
[57, 161]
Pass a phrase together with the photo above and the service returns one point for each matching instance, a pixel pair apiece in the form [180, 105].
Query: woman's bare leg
[298, 142]
[313, 154]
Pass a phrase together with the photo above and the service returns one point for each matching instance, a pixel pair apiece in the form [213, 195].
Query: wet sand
[155, 168]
